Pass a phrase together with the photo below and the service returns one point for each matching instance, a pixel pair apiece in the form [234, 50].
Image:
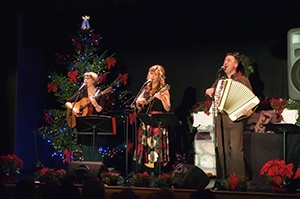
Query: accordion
[233, 97]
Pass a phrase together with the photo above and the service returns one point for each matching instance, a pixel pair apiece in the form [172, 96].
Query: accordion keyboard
[235, 98]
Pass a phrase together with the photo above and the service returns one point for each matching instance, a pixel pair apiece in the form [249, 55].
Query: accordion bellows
[234, 97]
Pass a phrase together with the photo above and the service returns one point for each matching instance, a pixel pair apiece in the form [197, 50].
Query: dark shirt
[242, 79]
[153, 105]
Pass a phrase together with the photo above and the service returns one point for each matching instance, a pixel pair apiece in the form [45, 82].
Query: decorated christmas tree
[87, 57]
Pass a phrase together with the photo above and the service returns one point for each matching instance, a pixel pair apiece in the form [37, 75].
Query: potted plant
[281, 177]
[164, 180]
[11, 166]
[60, 174]
[45, 174]
[235, 183]
[140, 179]
[111, 178]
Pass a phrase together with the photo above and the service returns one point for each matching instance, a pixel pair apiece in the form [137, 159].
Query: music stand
[160, 119]
[285, 129]
[96, 125]
[165, 119]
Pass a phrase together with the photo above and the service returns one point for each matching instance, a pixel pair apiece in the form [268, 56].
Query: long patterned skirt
[152, 145]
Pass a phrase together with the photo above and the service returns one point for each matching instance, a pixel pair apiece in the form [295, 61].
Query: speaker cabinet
[188, 176]
[294, 63]
[81, 171]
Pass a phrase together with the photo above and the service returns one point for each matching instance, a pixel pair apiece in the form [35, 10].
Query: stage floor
[145, 192]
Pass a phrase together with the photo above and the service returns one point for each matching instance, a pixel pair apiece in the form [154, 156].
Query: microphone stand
[71, 118]
[220, 74]
[133, 106]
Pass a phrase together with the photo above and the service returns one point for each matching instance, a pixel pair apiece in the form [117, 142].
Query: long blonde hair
[160, 72]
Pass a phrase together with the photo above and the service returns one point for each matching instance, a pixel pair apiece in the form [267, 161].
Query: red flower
[202, 106]
[46, 171]
[278, 105]
[233, 181]
[10, 164]
[297, 173]
[278, 171]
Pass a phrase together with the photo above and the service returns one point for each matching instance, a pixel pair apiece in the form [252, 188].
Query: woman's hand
[141, 101]
[96, 105]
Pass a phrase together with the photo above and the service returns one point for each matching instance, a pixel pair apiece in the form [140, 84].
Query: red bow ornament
[52, 87]
[73, 76]
[110, 62]
[123, 78]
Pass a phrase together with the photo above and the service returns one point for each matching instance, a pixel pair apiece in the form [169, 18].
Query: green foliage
[87, 57]
[246, 62]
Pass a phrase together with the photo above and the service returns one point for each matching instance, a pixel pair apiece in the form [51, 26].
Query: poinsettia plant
[234, 182]
[164, 178]
[280, 104]
[202, 106]
[278, 172]
[47, 174]
[111, 178]
[10, 164]
[144, 178]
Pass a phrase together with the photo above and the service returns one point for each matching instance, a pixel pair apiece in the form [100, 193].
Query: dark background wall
[189, 38]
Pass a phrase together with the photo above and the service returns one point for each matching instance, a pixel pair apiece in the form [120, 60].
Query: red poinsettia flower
[297, 173]
[233, 181]
[202, 106]
[278, 171]
[278, 105]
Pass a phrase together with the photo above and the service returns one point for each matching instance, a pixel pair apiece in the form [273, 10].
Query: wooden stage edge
[145, 192]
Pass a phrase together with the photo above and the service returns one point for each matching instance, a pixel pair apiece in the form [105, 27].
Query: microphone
[221, 72]
[222, 68]
[81, 86]
[148, 81]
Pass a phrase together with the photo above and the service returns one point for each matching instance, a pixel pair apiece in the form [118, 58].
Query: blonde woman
[153, 141]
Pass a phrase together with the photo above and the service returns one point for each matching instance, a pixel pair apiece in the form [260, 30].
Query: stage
[145, 192]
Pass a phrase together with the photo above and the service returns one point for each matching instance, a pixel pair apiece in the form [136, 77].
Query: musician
[230, 132]
[87, 93]
[153, 142]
